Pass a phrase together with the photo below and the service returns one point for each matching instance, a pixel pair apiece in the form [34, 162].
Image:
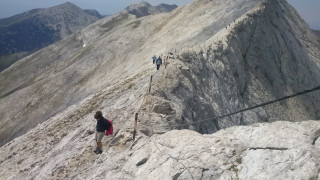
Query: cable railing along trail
[166, 58]
[250, 108]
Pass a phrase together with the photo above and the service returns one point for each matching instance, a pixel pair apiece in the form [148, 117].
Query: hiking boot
[98, 151]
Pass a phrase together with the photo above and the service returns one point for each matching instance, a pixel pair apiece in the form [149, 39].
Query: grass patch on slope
[114, 22]
[9, 59]
[26, 84]
[135, 24]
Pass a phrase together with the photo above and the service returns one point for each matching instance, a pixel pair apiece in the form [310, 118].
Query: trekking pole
[135, 126]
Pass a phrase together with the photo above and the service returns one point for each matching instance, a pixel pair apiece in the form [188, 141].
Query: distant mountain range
[144, 9]
[27, 32]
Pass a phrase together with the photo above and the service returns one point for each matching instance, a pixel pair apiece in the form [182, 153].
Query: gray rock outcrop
[280, 150]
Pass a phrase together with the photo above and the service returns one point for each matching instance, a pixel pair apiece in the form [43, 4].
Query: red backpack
[110, 131]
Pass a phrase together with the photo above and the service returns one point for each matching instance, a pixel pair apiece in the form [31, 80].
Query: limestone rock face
[280, 150]
[261, 57]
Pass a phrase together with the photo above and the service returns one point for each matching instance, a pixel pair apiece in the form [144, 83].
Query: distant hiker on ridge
[102, 126]
[171, 56]
[158, 62]
[154, 58]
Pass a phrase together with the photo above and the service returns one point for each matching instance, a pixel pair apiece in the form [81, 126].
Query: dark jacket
[159, 61]
[103, 125]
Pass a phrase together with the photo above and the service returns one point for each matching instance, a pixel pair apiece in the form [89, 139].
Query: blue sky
[308, 9]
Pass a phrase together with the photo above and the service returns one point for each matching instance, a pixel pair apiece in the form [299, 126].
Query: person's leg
[99, 136]
[99, 144]
[96, 138]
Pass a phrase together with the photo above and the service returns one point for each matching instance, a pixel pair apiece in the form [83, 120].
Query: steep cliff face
[35, 29]
[232, 55]
[264, 55]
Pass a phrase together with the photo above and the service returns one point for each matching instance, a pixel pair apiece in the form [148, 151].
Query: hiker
[171, 56]
[159, 62]
[102, 126]
[154, 58]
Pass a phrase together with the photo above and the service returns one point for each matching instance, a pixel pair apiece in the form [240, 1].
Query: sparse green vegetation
[130, 86]
[239, 160]
[235, 169]
[9, 59]
[114, 22]
[18, 88]
[86, 77]
[134, 24]
[84, 52]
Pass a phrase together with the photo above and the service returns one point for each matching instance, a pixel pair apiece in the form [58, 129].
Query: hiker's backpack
[110, 131]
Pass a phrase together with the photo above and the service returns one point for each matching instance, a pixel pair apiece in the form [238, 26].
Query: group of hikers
[158, 61]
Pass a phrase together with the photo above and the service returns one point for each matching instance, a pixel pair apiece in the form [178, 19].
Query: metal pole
[135, 127]
[165, 63]
[150, 85]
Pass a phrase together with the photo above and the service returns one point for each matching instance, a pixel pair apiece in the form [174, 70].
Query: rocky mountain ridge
[228, 61]
[25, 33]
[60, 74]
[278, 150]
[317, 33]
[144, 9]
[94, 12]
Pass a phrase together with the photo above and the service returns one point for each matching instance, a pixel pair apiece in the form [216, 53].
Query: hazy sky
[308, 9]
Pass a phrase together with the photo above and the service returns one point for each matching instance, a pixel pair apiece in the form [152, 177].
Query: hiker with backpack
[158, 62]
[154, 58]
[103, 127]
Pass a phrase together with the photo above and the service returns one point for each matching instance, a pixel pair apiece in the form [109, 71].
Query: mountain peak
[143, 8]
[65, 6]
[35, 29]
[141, 4]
